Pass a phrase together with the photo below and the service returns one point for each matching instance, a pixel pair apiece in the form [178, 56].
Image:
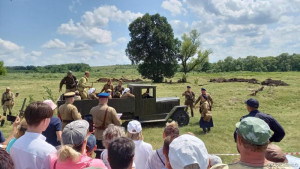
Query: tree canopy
[153, 47]
[2, 68]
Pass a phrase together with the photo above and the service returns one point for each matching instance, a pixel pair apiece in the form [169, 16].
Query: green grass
[281, 102]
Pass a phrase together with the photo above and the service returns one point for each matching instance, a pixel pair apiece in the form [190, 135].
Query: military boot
[2, 123]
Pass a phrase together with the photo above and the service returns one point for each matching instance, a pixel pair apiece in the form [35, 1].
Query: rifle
[21, 114]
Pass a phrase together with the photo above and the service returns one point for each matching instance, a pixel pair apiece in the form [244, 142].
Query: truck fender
[175, 108]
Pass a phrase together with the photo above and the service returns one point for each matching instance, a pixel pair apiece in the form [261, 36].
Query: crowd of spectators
[38, 142]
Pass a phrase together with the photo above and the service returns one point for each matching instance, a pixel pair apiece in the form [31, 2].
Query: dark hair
[171, 130]
[120, 153]
[5, 160]
[36, 112]
[167, 142]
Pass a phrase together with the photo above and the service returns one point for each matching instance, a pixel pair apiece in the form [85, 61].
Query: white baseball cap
[186, 150]
[134, 127]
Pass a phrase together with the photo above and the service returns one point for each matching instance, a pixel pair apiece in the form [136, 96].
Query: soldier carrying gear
[70, 81]
[83, 87]
[7, 101]
[209, 99]
[189, 99]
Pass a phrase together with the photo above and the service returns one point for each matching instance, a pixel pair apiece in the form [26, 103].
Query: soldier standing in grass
[70, 81]
[107, 86]
[189, 99]
[209, 99]
[7, 101]
[68, 112]
[83, 87]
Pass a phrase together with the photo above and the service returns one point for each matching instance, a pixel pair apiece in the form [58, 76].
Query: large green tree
[190, 47]
[153, 47]
[2, 68]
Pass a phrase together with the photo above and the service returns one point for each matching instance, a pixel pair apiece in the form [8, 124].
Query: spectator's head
[134, 129]
[110, 133]
[120, 82]
[168, 140]
[252, 104]
[37, 115]
[74, 140]
[188, 88]
[21, 129]
[275, 154]
[188, 152]
[126, 90]
[204, 98]
[253, 135]
[203, 91]
[87, 73]
[103, 98]
[91, 145]
[7, 89]
[121, 153]
[5, 160]
[171, 129]
[69, 97]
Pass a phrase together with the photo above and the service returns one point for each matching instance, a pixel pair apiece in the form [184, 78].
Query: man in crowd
[121, 153]
[31, 150]
[7, 101]
[107, 86]
[70, 81]
[157, 159]
[189, 99]
[118, 90]
[103, 115]
[253, 136]
[209, 99]
[68, 112]
[83, 87]
[252, 107]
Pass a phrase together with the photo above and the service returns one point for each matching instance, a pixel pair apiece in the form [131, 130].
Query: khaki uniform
[106, 87]
[189, 100]
[83, 88]
[98, 113]
[118, 91]
[209, 100]
[68, 113]
[127, 95]
[70, 83]
[93, 96]
[7, 101]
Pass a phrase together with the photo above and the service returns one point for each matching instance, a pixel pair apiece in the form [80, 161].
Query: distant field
[281, 102]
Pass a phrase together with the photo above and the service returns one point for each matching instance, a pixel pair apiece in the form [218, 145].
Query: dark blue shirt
[2, 138]
[50, 132]
[279, 132]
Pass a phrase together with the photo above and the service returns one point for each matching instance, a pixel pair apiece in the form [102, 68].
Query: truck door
[148, 102]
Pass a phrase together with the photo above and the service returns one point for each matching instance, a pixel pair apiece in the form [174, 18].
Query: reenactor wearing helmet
[189, 99]
[70, 81]
[7, 101]
[68, 112]
[107, 86]
[83, 87]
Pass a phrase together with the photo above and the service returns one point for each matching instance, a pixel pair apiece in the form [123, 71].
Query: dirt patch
[270, 82]
[116, 80]
[223, 80]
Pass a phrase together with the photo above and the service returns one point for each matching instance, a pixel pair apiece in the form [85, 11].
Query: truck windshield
[147, 93]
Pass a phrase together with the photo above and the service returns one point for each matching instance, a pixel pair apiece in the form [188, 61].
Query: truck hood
[163, 99]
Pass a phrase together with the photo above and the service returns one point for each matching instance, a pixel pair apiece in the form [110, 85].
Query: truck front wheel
[181, 117]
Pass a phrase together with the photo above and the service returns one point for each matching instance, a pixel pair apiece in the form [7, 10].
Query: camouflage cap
[254, 130]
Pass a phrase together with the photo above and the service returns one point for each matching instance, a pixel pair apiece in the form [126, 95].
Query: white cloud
[174, 6]
[54, 44]
[179, 27]
[8, 46]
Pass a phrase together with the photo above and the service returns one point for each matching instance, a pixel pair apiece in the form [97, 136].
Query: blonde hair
[66, 152]
[137, 136]
[172, 124]
[21, 129]
[110, 133]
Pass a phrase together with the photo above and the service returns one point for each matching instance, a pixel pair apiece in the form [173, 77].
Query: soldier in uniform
[83, 87]
[70, 81]
[7, 101]
[103, 115]
[189, 99]
[118, 90]
[209, 99]
[68, 112]
[107, 86]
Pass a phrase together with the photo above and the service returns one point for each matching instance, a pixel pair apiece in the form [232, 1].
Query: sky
[43, 32]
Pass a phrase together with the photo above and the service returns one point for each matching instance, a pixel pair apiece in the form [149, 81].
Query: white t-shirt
[31, 151]
[142, 153]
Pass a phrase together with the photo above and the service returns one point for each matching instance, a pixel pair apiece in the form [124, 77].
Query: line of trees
[63, 68]
[282, 63]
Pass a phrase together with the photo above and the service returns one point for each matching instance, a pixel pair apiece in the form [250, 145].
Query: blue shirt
[2, 138]
[50, 132]
[10, 144]
[279, 132]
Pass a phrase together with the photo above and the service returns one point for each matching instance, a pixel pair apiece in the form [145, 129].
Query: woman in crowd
[206, 121]
[126, 94]
[72, 154]
[21, 129]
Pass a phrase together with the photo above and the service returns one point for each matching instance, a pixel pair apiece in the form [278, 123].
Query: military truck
[145, 107]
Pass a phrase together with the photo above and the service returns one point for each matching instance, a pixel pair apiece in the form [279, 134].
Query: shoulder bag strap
[160, 158]
[104, 120]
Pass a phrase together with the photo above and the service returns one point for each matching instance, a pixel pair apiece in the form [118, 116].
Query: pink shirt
[83, 162]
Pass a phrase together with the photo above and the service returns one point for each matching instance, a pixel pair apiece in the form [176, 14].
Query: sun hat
[254, 130]
[134, 127]
[125, 91]
[188, 150]
[50, 103]
[75, 132]
[91, 90]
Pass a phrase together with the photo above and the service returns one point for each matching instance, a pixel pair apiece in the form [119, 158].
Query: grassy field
[281, 102]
